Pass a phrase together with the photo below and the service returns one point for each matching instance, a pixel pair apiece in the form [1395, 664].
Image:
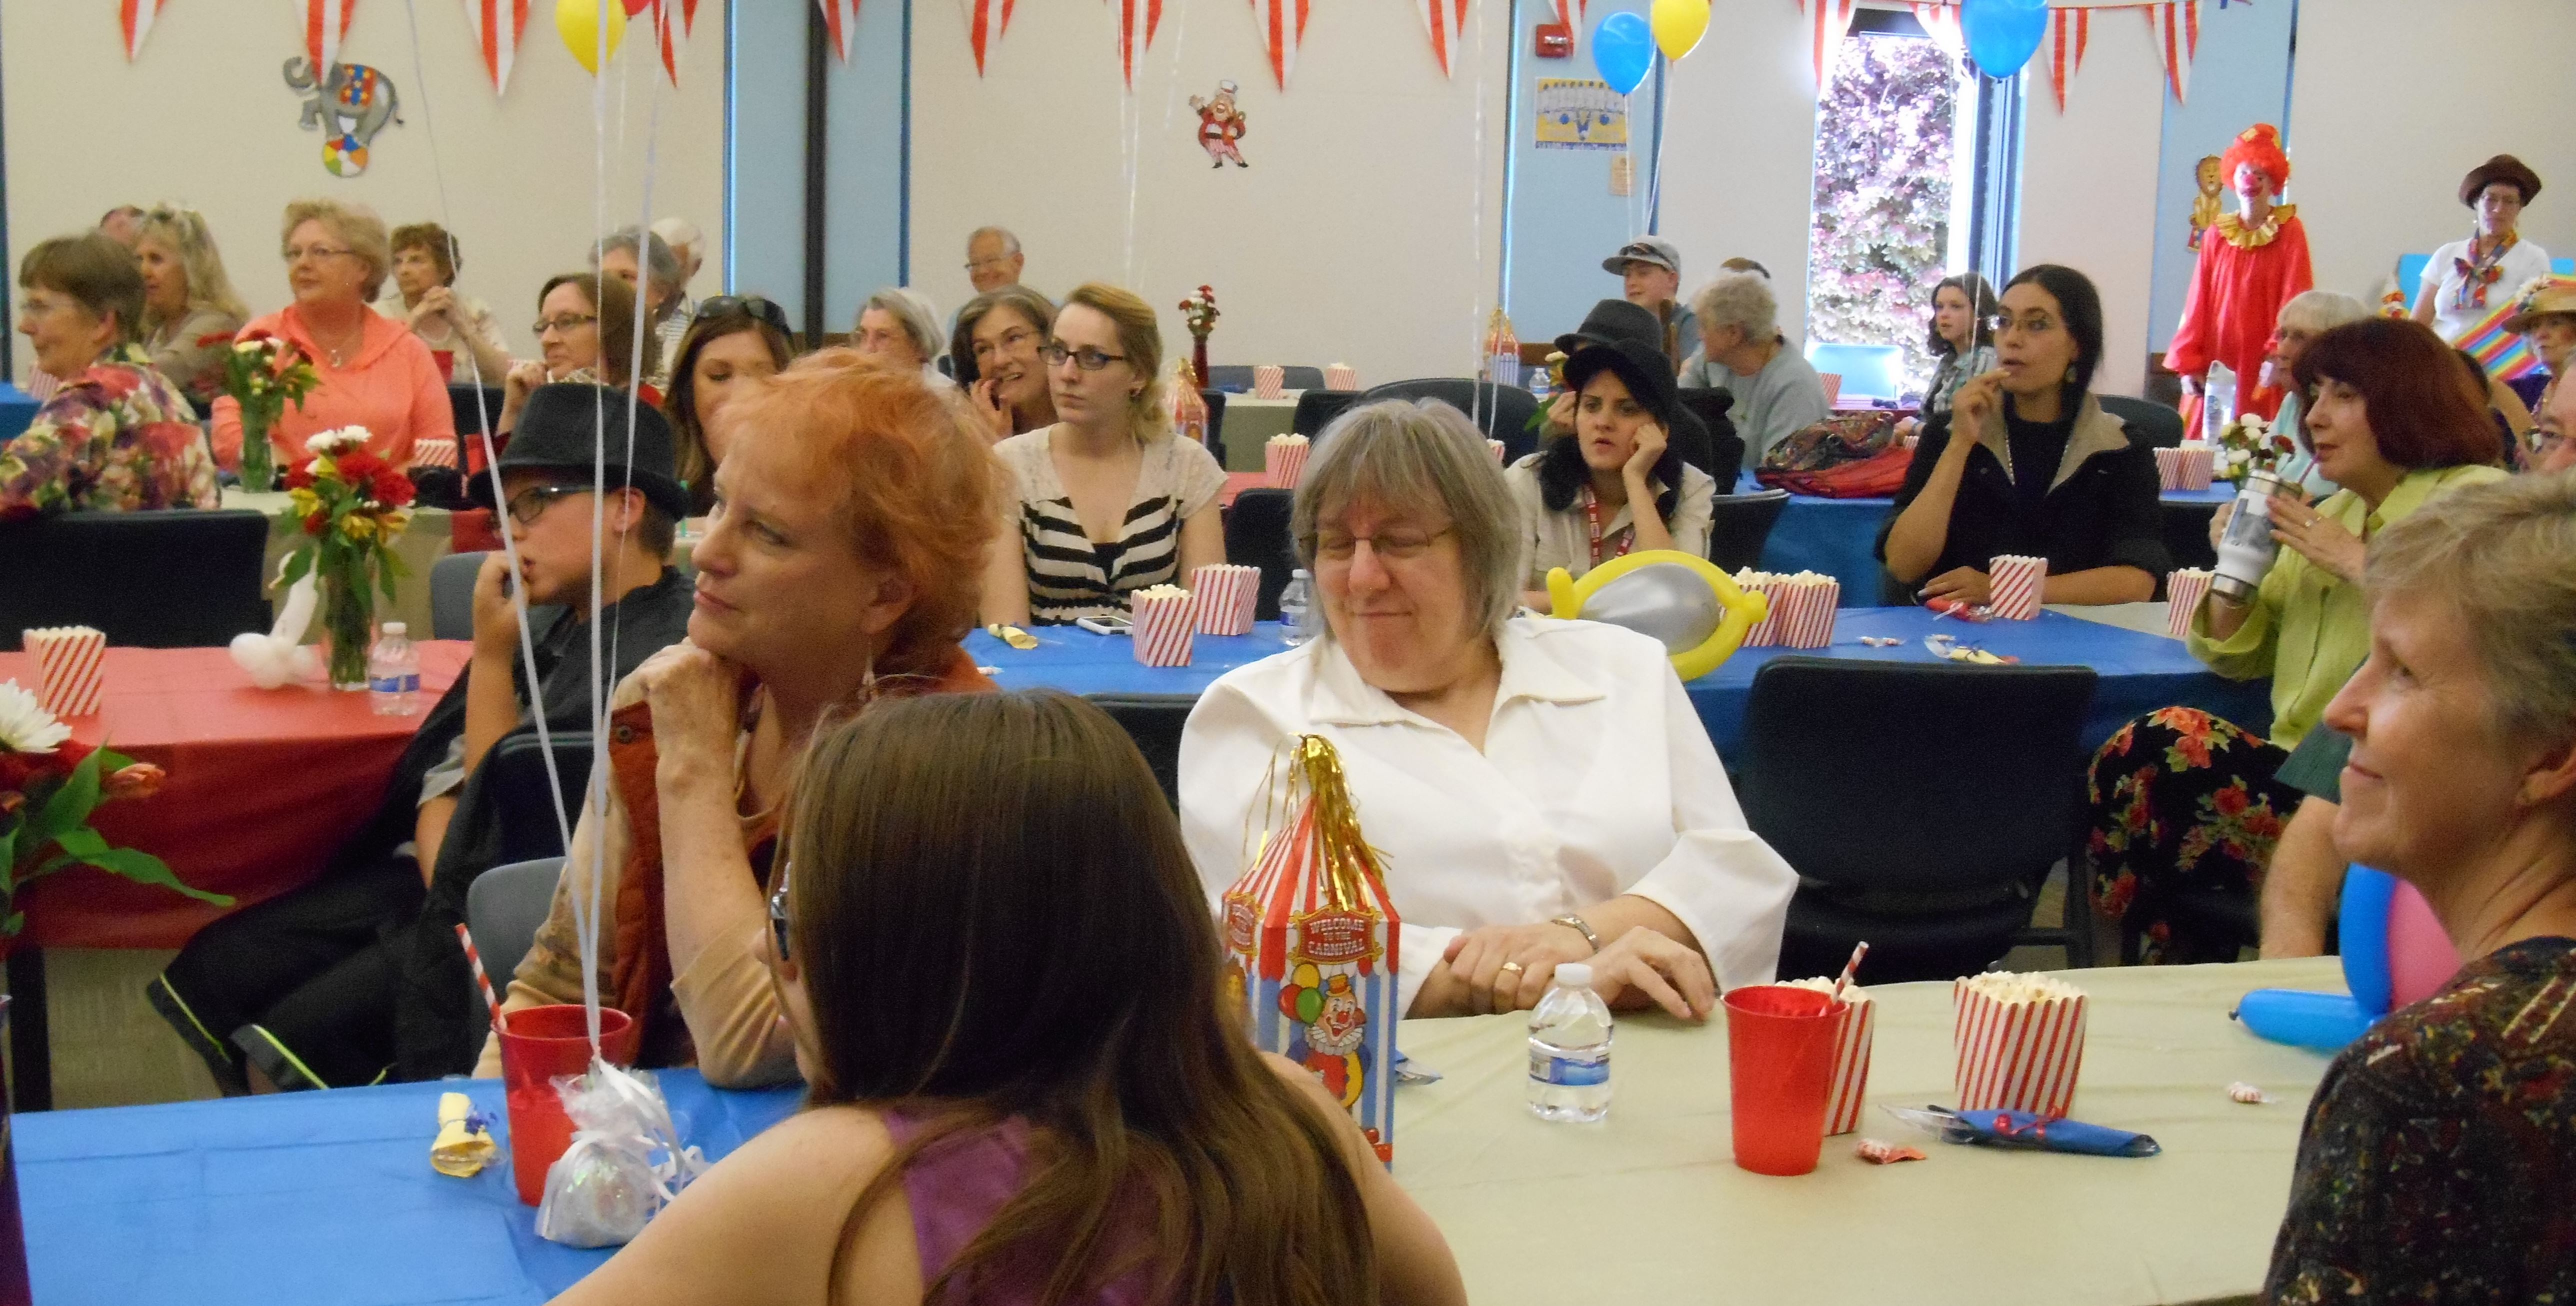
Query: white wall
[2395, 100]
[1366, 229]
[1740, 152]
[2089, 186]
[205, 116]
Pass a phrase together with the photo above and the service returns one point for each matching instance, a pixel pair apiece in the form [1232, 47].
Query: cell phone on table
[1106, 625]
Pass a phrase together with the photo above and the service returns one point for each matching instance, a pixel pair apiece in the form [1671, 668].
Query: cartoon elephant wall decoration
[350, 107]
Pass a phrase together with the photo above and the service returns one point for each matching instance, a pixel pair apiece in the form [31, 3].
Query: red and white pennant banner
[1129, 45]
[841, 20]
[688, 24]
[986, 21]
[1283, 26]
[2176, 25]
[2069, 31]
[498, 25]
[325, 22]
[135, 17]
[1830, 21]
[1573, 22]
[1447, 23]
[1942, 21]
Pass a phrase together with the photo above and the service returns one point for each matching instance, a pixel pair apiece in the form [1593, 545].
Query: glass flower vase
[348, 631]
[258, 460]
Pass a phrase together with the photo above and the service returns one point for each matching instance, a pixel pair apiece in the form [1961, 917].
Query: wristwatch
[1575, 923]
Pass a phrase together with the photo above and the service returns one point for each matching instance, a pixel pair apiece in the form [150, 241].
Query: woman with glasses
[1107, 500]
[2027, 462]
[190, 312]
[732, 341]
[994, 348]
[1541, 790]
[2466, 281]
[373, 372]
[852, 508]
[991, 1106]
[585, 329]
[115, 435]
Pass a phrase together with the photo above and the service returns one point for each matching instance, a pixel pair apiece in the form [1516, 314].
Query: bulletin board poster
[1581, 115]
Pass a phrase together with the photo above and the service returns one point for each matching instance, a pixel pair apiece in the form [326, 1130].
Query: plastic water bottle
[393, 672]
[2246, 548]
[2217, 402]
[1569, 1049]
[1295, 603]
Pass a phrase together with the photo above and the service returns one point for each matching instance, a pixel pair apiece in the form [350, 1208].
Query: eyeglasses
[2544, 439]
[979, 264]
[529, 504]
[298, 253]
[778, 910]
[752, 306]
[1394, 546]
[1089, 360]
[2030, 323]
[566, 324]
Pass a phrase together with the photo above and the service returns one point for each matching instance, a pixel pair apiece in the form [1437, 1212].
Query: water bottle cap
[1302, 574]
[396, 628]
[1573, 975]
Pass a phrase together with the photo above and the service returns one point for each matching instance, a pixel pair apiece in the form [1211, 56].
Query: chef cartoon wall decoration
[1220, 127]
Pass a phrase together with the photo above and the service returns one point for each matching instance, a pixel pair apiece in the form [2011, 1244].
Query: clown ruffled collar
[2232, 228]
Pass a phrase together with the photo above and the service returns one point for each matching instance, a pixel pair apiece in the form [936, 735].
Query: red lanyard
[1592, 517]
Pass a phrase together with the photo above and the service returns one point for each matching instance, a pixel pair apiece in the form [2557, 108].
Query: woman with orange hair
[840, 566]
[2257, 263]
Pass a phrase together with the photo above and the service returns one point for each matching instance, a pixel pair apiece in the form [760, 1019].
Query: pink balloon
[2420, 956]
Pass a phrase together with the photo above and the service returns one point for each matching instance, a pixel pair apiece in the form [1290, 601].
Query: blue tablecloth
[2140, 672]
[304, 1198]
[17, 410]
[1839, 537]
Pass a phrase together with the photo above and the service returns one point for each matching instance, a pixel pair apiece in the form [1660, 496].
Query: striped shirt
[1072, 576]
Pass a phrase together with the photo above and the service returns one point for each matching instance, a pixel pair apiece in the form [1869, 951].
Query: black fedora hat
[1621, 337]
[565, 425]
[1614, 320]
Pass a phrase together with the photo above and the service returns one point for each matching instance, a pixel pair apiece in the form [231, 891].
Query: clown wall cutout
[350, 107]
[2212, 199]
[1220, 127]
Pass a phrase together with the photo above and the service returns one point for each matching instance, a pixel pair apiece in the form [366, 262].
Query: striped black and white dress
[1072, 576]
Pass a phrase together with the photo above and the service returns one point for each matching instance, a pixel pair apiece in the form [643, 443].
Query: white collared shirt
[1597, 780]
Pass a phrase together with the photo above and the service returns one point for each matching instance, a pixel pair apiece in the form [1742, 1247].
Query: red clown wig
[2259, 145]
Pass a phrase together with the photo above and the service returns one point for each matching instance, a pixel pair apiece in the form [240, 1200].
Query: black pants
[301, 986]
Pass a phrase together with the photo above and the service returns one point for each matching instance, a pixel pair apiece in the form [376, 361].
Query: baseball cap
[1644, 249]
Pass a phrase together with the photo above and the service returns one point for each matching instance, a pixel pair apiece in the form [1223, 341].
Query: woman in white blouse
[2466, 281]
[1541, 790]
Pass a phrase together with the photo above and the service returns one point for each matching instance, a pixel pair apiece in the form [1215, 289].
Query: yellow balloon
[1743, 610]
[1678, 26]
[578, 21]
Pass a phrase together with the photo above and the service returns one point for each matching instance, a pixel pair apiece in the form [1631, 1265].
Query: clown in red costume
[2252, 261]
[1220, 126]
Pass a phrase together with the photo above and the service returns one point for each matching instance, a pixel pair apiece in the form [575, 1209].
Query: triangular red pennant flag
[688, 17]
[497, 27]
[841, 20]
[1128, 44]
[2069, 31]
[2176, 25]
[325, 22]
[135, 17]
[1447, 24]
[1831, 22]
[1941, 20]
[1283, 26]
[662, 35]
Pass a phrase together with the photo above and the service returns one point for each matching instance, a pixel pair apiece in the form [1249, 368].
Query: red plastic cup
[538, 1044]
[1780, 1052]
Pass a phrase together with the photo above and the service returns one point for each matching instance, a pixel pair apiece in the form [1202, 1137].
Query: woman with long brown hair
[1022, 1086]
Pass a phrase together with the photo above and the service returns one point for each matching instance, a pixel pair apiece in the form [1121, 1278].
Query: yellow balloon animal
[1679, 598]
[579, 23]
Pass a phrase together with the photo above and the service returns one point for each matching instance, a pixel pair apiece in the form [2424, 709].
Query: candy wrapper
[1311, 945]
[2018, 583]
[2021, 1129]
[1013, 636]
[2020, 1042]
[2184, 589]
[1284, 458]
[71, 668]
[464, 1144]
[1880, 1152]
[1269, 381]
[1225, 596]
[626, 1161]
[1976, 612]
[1165, 616]
[1843, 1093]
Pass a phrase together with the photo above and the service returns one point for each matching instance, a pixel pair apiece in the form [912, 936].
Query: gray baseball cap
[1644, 249]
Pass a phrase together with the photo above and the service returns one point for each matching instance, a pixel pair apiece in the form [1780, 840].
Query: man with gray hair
[1743, 353]
[993, 259]
[644, 261]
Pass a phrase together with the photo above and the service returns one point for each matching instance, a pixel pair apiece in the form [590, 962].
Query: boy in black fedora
[308, 990]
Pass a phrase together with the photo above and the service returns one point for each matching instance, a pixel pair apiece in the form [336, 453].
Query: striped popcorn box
[433, 453]
[1833, 382]
[1766, 632]
[1224, 597]
[1812, 604]
[1285, 459]
[1850, 1083]
[1165, 615]
[2016, 585]
[71, 668]
[1341, 376]
[2020, 1043]
[1269, 382]
[2184, 589]
[2198, 462]
[2169, 468]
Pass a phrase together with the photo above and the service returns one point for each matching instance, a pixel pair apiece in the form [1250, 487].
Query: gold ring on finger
[1512, 967]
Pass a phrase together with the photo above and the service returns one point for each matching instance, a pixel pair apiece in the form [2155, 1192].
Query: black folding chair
[1504, 412]
[1154, 722]
[1216, 423]
[1740, 524]
[1256, 535]
[168, 578]
[473, 407]
[2158, 425]
[1725, 449]
[1316, 409]
[1934, 855]
[451, 595]
[504, 908]
[524, 802]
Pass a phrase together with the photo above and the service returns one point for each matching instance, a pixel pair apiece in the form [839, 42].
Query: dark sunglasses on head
[778, 910]
[753, 306]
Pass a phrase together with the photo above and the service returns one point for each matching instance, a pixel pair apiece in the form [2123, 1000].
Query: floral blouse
[117, 438]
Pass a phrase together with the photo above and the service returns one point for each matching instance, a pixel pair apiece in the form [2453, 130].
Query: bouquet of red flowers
[354, 505]
[49, 785]
[264, 374]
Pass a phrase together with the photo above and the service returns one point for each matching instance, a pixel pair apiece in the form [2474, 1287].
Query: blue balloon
[1623, 48]
[2323, 1021]
[2002, 34]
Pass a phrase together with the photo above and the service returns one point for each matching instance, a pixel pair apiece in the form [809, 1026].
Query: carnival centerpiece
[2249, 444]
[50, 783]
[264, 374]
[353, 506]
[1199, 311]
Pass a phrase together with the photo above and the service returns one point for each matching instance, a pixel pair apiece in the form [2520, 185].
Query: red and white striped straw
[1841, 982]
[475, 960]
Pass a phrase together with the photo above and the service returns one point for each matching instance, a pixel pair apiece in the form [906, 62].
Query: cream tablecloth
[1649, 1207]
[423, 543]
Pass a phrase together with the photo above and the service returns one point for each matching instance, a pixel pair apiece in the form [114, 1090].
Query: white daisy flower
[25, 725]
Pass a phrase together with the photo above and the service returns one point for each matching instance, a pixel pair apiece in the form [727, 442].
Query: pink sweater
[392, 388]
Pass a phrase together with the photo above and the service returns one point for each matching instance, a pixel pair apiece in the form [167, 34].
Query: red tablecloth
[1238, 482]
[264, 783]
